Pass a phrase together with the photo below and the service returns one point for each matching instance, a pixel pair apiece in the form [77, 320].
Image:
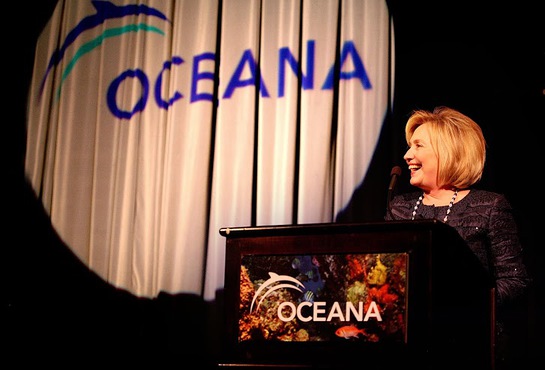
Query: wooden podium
[380, 295]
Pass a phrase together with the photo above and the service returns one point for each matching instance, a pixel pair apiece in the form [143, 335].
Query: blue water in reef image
[309, 275]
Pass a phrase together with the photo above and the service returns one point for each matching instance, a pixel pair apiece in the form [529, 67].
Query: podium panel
[380, 295]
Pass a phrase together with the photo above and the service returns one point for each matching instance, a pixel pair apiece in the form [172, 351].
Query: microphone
[394, 174]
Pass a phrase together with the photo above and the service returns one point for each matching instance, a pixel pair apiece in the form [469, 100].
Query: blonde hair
[457, 141]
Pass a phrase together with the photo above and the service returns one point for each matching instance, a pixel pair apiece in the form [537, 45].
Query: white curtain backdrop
[154, 123]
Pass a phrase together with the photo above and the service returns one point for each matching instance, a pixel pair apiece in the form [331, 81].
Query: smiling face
[422, 160]
[446, 151]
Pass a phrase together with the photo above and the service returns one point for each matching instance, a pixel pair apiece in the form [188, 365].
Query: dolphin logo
[274, 283]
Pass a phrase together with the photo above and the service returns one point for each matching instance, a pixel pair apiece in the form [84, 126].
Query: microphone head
[396, 171]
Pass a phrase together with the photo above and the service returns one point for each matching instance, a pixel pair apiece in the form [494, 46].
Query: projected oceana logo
[105, 11]
[287, 63]
[320, 310]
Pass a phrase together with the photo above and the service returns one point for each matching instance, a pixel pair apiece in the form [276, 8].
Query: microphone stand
[394, 174]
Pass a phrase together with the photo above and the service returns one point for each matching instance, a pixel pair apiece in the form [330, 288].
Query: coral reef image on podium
[329, 297]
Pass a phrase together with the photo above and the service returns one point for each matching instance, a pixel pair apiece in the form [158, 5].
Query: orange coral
[382, 296]
[355, 267]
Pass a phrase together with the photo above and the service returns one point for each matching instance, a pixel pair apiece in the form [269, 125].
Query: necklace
[448, 209]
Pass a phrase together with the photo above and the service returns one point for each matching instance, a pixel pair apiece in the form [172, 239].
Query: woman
[446, 157]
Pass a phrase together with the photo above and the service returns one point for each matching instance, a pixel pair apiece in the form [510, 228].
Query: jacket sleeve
[506, 253]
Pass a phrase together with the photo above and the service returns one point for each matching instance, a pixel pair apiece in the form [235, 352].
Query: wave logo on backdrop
[105, 10]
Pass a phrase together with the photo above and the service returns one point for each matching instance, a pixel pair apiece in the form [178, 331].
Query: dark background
[486, 59]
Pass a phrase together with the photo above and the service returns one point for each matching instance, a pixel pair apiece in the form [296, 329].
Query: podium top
[333, 228]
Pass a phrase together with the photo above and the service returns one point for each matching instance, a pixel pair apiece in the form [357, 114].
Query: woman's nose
[408, 154]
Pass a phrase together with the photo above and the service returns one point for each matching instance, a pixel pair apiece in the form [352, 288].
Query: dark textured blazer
[486, 222]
